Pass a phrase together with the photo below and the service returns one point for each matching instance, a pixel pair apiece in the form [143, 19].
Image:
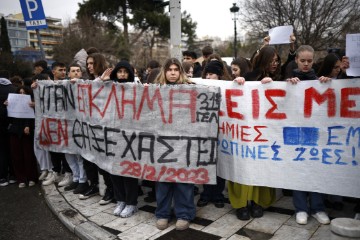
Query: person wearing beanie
[214, 70]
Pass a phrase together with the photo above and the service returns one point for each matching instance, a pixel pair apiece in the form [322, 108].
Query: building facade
[21, 38]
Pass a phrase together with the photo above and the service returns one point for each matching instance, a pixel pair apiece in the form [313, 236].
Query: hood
[4, 81]
[127, 66]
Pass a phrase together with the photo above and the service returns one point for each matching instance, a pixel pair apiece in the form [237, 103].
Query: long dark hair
[328, 64]
[262, 63]
[100, 64]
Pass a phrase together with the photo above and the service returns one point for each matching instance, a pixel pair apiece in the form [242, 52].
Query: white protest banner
[280, 35]
[353, 52]
[19, 107]
[304, 136]
[158, 133]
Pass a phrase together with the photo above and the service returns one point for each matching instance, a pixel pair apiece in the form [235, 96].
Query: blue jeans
[76, 165]
[183, 195]
[301, 203]
[213, 193]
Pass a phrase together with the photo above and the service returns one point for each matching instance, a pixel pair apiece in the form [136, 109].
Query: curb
[72, 218]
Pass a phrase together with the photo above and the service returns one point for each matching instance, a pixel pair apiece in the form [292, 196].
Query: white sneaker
[66, 181]
[31, 183]
[50, 179]
[58, 177]
[301, 218]
[49, 175]
[321, 217]
[22, 185]
[128, 211]
[43, 175]
[119, 208]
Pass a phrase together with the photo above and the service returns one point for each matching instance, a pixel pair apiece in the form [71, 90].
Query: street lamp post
[234, 9]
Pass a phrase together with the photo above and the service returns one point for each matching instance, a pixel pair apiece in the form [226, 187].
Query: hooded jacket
[128, 67]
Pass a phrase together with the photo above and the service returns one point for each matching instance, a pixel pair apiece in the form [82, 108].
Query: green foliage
[143, 16]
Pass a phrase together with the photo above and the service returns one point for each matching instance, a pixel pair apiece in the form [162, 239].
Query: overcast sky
[213, 17]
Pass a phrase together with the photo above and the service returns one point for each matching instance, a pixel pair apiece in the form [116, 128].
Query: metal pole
[39, 43]
[175, 29]
[235, 40]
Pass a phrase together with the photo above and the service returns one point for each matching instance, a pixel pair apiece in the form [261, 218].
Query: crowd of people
[21, 159]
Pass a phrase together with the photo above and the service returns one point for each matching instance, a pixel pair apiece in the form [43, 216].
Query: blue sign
[34, 15]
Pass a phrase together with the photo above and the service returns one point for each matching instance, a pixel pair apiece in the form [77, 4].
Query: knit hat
[215, 67]
[127, 66]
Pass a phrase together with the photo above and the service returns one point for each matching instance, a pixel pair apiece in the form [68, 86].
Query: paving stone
[58, 203]
[225, 226]
[212, 213]
[123, 224]
[269, 223]
[293, 233]
[102, 218]
[238, 237]
[284, 202]
[139, 232]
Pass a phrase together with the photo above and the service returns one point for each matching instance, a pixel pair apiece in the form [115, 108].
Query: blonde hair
[304, 48]
[161, 77]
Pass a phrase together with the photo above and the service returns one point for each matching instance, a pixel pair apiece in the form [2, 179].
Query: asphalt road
[25, 215]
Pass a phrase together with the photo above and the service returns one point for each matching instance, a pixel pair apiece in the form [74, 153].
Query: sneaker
[108, 197]
[321, 217]
[66, 181]
[12, 179]
[43, 175]
[301, 218]
[128, 211]
[50, 179]
[162, 223]
[72, 186]
[119, 208]
[243, 214]
[256, 210]
[182, 224]
[22, 185]
[3, 182]
[81, 188]
[92, 191]
[202, 202]
[58, 177]
[31, 183]
[219, 203]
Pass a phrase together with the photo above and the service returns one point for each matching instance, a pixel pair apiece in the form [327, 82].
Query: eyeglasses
[275, 62]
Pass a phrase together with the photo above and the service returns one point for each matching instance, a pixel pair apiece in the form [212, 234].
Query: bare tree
[85, 33]
[319, 23]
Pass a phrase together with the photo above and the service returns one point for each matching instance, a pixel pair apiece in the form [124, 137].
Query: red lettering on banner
[269, 93]
[150, 102]
[346, 103]
[231, 104]
[50, 127]
[191, 105]
[134, 169]
[131, 102]
[257, 139]
[312, 93]
[243, 134]
[112, 94]
[255, 103]
[237, 131]
[82, 88]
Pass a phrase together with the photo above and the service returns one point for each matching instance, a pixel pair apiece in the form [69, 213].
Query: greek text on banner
[158, 133]
[304, 136]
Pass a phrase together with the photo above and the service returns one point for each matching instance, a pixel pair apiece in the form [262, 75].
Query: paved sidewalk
[89, 220]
